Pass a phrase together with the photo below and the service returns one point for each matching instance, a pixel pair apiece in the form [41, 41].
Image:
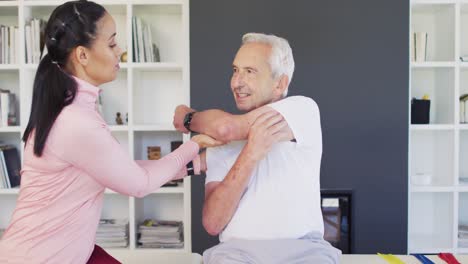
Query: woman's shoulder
[73, 121]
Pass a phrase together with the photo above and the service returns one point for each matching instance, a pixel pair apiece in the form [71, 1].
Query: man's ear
[81, 55]
[281, 85]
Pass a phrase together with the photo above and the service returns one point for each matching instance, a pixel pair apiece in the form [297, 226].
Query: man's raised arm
[216, 123]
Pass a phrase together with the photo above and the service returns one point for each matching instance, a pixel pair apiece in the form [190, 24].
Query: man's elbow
[226, 130]
[211, 227]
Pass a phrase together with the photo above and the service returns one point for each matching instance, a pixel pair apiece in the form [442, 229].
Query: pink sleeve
[89, 146]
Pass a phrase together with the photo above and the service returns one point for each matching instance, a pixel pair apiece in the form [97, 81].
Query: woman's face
[104, 54]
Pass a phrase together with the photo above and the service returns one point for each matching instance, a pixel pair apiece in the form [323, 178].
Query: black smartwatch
[188, 120]
[190, 170]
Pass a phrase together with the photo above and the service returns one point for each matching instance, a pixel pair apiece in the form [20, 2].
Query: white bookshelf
[439, 148]
[148, 92]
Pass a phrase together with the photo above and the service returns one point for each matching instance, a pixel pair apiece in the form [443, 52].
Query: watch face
[187, 120]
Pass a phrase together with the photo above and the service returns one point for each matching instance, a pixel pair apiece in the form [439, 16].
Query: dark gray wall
[352, 58]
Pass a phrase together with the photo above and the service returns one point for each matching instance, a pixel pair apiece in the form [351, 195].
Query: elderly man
[262, 192]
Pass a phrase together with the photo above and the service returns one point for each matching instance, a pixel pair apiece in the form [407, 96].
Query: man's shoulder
[295, 103]
[300, 99]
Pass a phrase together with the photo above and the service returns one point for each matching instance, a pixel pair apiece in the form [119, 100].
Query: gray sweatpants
[308, 249]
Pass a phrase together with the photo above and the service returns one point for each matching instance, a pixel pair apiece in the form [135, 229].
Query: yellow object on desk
[392, 259]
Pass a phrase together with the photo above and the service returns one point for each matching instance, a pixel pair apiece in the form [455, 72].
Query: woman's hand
[205, 141]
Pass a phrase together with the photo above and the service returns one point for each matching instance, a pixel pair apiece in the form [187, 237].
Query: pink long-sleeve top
[61, 193]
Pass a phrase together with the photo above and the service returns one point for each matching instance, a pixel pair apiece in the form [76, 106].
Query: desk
[371, 259]
[150, 257]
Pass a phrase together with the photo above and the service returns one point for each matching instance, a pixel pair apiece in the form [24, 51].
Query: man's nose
[237, 79]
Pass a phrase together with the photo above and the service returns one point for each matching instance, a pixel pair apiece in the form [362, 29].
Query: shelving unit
[148, 92]
[440, 148]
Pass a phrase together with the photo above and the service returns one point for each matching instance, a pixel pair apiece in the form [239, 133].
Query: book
[420, 45]
[12, 164]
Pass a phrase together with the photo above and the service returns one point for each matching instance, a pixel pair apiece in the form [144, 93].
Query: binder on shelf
[420, 45]
[11, 165]
[463, 108]
[420, 111]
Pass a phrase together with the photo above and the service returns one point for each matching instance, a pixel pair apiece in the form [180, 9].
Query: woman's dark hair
[70, 25]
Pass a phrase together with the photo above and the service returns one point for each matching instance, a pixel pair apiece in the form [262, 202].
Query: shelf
[10, 129]
[439, 85]
[432, 64]
[9, 66]
[158, 93]
[463, 126]
[118, 128]
[463, 188]
[9, 191]
[157, 127]
[158, 66]
[162, 139]
[431, 127]
[432, 152]
[175, 189]
[431, 189]
[437, 20]
[9, 3]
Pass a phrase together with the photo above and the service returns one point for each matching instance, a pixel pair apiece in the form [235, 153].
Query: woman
[70, 155]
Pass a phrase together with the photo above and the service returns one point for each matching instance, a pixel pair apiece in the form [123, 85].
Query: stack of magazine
[463, 236]
[161, 234]
[112, 233]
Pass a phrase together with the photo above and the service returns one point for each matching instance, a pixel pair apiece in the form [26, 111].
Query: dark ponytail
[70, 25]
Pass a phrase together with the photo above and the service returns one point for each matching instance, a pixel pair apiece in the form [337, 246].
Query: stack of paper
[112, 233]
[161, 234]
[463, 236]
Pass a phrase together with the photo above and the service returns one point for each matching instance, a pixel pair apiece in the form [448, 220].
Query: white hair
[281, 59]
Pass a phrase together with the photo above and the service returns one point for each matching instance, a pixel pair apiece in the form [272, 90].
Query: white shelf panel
[431, 127]
[118, 128]
[156, 127]
[175, 189]
[462, 250]
[161, 250]
[9, 66]
[463, 126]
[9, 3]
[43, 3]
[429, 244]
[431, 189]
[124, 65]
[10, 129]
[9, 191]
[463, 188]
[157, 66]
[417, 2]
[433, 64]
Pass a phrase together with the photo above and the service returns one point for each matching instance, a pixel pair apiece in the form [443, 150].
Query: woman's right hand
[205, 141]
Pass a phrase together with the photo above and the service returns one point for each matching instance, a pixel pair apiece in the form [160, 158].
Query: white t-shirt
[282, 199]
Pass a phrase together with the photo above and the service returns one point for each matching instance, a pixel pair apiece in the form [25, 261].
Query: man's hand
[268, 128]
[179, 115]
[205, 141]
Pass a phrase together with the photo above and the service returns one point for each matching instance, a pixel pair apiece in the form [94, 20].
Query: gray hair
[281, 59]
